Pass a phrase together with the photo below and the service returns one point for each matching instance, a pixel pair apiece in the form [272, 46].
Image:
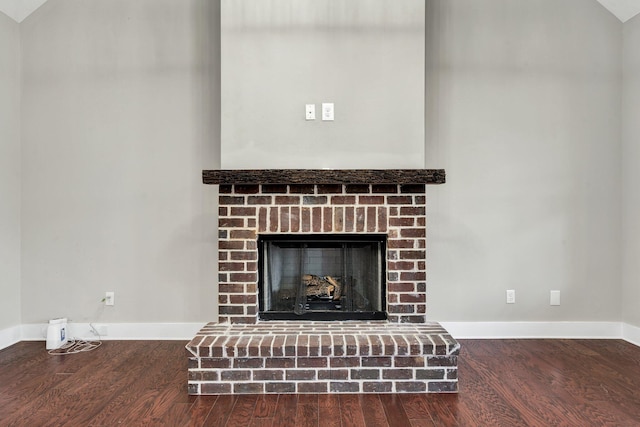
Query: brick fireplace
[243, 354]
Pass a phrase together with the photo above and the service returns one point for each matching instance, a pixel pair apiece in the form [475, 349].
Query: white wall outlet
[327, 111]
[511, 296]
[310, 111]
[109, 298]
[554, 298]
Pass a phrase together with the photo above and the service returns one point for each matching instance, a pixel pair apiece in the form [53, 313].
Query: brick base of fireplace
[321, 357]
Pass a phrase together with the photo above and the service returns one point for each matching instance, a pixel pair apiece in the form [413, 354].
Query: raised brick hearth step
[322, 357]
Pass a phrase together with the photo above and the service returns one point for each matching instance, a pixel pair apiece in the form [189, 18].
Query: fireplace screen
[322, 277]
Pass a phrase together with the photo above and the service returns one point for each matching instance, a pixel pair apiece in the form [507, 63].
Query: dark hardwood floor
[502, 383]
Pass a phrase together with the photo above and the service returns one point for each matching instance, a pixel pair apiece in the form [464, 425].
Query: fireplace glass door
[322, 277]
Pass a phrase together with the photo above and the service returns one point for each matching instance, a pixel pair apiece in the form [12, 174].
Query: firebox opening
[322, 277]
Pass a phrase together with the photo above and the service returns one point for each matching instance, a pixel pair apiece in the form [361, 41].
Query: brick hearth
[322, 357]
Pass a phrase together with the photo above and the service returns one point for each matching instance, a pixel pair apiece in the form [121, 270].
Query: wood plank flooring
[502, 383]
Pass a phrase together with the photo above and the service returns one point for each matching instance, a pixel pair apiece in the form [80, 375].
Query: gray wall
[631, 172]
[523, 111]
[119, 116]
[9, 172]
[367, 57]
[119, 119]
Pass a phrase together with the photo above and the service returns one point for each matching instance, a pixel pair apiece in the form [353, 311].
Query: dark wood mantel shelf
[324, 176]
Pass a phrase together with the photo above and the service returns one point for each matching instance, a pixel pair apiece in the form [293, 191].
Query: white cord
[75, 346]
[78, 346]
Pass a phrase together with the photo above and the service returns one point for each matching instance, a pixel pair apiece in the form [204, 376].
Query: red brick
[226, 244]
[215, 363]
[400, 244]
[411, 386]
[274, 188]
[244, 255]
[402, 222]
[215, 388]
[225, 189]
[412, 211]
[317, 219]
[344, 362]
[300, 374]
[243, 277]
[273, 219]
[248, 388]
[343, 200]
[284, 219]
[378, 362]
[371, 200]
[231, 309]
[287, 200]
[397, 374]
[247, 363]
[377, 386]
[280, 362]
[235, 375]
[268, 375]
[243, 299]
[344, 387]
[349, 219]
[246, 189]
[312, 362]
[412, 188]
[415, 275]
[382, 219]
[409, 362]
[314, 387]
[301, 188]
[413, 255]
[413, 298]
[242, 234]
[399, 200]
[231, 266]
[259, 200]
[412, 232]
[305, 223]
[230, 288]
[371, 219]
[327, 222]
[314, 200]
[401, 287]
[231, 222]
[280, 387]
[338, 219]
[357, 188]
[360, 218]
[231, 200]
[329, 188]
[262, 219]
[384, 188]
[402, 265]
[295, 219]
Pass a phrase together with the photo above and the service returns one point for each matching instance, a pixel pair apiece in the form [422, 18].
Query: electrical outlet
[327, 111]
[511, 296]
[310, 111]
[109, 298]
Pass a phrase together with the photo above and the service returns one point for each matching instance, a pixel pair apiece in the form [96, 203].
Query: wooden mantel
[324, 176]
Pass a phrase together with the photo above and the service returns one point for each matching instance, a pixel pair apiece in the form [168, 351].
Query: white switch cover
[511, 296]
[310, 111]
[327, 111]
[555, 298]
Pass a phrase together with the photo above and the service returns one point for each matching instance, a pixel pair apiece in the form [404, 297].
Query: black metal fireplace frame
[323, 315]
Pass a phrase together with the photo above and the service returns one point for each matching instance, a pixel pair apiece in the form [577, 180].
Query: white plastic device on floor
[56, 333]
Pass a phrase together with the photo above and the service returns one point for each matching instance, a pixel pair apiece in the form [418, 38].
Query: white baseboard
[118, 331]
[502, 330]
[462, 330]
[10, 336]
[631, 333]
